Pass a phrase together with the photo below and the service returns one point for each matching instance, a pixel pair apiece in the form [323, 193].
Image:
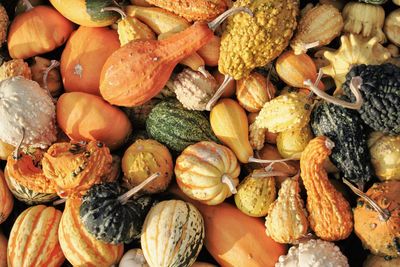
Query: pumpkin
[84, 56]
[109, 215]
[133, 258]
[207, 172]
[3, 250]
[377, 261]
[44, 249]
[392, 26]
[173, 234]
[143, 158]
[233, 238]
[15, 67]
[293, 142]
[27, 112]
[377, 219]
[43, 68]
[86, 12]
[75, 166]
[255, 194]
[286, 221]
[37, 31]
[87, 117]
[6, 199]
[330, 215]
[79, 246]
[229, 123]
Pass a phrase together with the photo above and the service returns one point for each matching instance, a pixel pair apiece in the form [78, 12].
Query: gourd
[385, 155]
[138, 115]
[354, 50]
[79, 246]
[84, 56]
[5, 150]
[15, 67]
[339, 4]
[87, 117]
[207, 172]
[210, 52]
[202, 264]
[43, 68]
[377, 261]
[4, 21]
[255, 194]
[286, 221]
[392, 26]
[86, 12]
[293, 142]
[330, 216]
[133, 258]
[321, 25]
[172, 234]
[34, 238]
[230, 86]
[39, 30]
[376, 218]
[345, 128]
[238, 242]
[143, 158]
[176, 127]
[3, 250]
[374, 2]
[109, 215]
[254, 91]
[229, 123]
[136, 72]
[364, 19]
[6, 199]
[27, 112]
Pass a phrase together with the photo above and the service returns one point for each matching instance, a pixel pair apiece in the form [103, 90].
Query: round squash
[3, 250]
[34, 238]
[87, 12]
[79, 246]
[6, 199]
[143, 158]
[84, 56]
[87, 117]
[37, 31]
[207, 172]
[294, 141]
[173, 234]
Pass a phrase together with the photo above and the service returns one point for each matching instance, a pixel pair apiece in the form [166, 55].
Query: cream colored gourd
[392, 27]
[133, 258]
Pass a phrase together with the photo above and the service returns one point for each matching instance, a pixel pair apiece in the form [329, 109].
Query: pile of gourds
[137, 132]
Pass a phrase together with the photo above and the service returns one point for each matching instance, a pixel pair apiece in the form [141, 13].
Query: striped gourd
[34, 238]
[25, 195]
[176, 127]
[81, 248]
[6, 199]
[172, 235]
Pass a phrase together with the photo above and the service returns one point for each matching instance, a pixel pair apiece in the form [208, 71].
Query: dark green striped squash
[176, 127]
[173, 234]
[346, 129]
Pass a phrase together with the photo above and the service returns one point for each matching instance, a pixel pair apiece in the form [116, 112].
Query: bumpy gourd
[330, 215]
[392, 26]
[4, 21]
[15, 67]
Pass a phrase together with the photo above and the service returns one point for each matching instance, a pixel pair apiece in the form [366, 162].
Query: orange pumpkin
[37, 31]
[87, 117]
[6, 199]
[84, 56]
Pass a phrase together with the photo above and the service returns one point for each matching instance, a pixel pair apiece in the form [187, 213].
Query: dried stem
[253, 159]
[383, 214]
[203, 71]
[227, 179]
[54, 64]
[268, 81]
[355, 84]
[219, 92]
[116, 9]
[16, 150]
[307, 46]
[329, 144]
[28, 5]
[216, 22]
[125, 197]
[319, 76]
[268, 174]
[60, 201]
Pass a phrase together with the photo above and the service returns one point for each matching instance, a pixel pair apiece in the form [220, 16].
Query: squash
[392, 26]
[3, 250]
[339, 4]
[330, 215]
[34, 238]
[207, 172]
[87, 117]
[173, 234]
[133, 258]
[6, 199]
[143, 158]
[176, 127]
[210, 52]
[229, 123]
[84, 56]
[86, 12]
[79, 246]
[42, 68]
[235, 242]
[15, 67]
[377, 261]
[293, 142]
[37, 31]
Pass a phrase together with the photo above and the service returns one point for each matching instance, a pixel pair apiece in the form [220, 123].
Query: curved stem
[28, 4]
[268, 81]
[54, 64]
[216, 22]
[307, 46]
[219, 92]
[227, 179]
[116, 9]
[125, 197]
[60, 201]
[203, 71]
[16, 150]
[383, 214]
[319, 77]
[268, 174]
[355, 84]
[253, 159]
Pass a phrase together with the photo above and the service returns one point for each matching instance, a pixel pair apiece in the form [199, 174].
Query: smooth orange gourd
[3, 250]
[83, 58]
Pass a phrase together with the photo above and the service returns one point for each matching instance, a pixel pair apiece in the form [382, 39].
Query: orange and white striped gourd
[6, 199]
[33, 238]
[207, 172]
[79, 246]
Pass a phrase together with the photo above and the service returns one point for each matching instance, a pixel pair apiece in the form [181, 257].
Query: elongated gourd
[229, 123]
